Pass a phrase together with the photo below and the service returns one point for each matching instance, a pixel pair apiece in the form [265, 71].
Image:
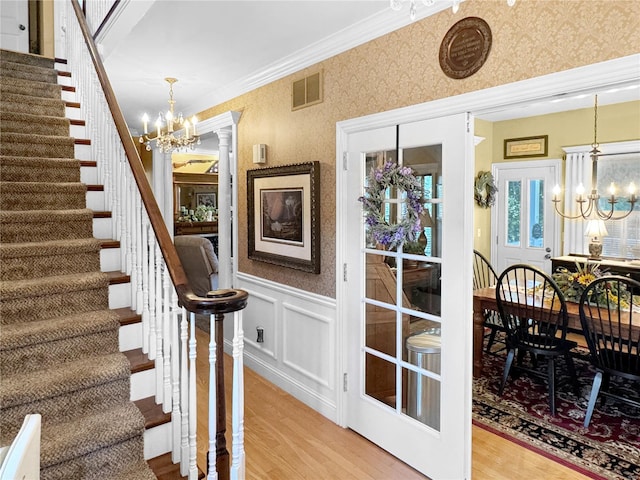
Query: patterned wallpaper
[533, 38]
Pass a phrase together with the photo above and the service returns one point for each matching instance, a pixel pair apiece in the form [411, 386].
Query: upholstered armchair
[199, 261]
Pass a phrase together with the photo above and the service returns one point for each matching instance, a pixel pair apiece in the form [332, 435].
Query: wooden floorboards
[285, 439]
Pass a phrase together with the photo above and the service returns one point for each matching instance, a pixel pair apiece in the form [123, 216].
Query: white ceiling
[220, 49]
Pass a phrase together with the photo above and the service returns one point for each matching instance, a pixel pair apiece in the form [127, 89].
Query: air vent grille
[306, 91]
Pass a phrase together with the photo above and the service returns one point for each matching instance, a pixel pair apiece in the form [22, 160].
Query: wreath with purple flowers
[408, 229]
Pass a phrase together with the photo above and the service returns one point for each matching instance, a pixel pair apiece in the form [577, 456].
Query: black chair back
[532, 307]
[483, 273]
[611, 326]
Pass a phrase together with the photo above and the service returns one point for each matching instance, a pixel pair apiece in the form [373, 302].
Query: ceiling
[221, 49]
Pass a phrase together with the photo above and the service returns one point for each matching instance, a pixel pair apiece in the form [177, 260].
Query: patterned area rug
[609, 448]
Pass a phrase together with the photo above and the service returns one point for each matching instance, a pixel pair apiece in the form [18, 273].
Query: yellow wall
[616, 123]
[533, 38]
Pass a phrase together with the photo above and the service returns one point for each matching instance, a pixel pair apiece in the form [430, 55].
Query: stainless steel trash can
[423, 402]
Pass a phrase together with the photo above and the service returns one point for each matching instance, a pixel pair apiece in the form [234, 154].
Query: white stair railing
[168, 337]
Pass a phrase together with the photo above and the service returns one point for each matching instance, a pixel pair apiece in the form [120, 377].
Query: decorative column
[224, 213]
[162, 184]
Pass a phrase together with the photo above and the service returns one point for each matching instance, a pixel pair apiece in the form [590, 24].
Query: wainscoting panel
[298, 353]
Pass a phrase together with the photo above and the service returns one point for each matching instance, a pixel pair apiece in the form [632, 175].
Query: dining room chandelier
[455, 6]
[588, 206]
[166, 140]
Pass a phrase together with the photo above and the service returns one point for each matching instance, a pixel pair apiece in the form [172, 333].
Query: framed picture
[526, 147]
[283, 207]
[207, 199]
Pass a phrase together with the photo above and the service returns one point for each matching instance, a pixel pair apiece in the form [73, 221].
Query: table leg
[478, 338]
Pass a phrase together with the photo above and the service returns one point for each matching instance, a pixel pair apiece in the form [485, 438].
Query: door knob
[548, 249]
[22, 27]
[547, 256]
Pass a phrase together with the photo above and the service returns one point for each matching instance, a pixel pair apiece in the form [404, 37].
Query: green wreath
[484, 190]
[408, 229]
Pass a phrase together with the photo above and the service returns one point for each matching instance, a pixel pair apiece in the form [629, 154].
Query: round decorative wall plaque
[465, 47]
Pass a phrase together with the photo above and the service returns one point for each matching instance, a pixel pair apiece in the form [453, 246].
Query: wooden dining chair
[485, 276]
[610, 318]
[534, 313]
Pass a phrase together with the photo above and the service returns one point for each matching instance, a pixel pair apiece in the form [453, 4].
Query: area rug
[608, 449]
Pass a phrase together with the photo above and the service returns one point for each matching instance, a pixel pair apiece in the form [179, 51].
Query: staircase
[64, 317]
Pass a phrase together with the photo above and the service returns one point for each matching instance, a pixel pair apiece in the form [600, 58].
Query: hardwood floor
[286, 440]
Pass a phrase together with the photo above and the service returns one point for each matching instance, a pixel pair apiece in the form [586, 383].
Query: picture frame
[207, 199]
[283, 210]
[526, 147]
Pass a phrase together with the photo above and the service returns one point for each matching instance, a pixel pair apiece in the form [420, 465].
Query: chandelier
[397, 5]
[168, 142]
[589, 205]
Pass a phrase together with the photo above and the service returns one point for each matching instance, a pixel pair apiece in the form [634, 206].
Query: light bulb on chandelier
[455, 6]
[589, 205]
[168, 142]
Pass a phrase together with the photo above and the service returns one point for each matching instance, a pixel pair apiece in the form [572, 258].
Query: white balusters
[184, 394]
[237, 395]
[193, 468]
[212, 475]
[167, 337]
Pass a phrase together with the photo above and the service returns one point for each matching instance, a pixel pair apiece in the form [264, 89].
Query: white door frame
[576, 81]
[556, 163]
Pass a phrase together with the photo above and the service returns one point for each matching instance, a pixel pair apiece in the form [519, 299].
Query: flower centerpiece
[573, 284]
[408, 229]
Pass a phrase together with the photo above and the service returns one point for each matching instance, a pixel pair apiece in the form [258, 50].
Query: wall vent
[307, 91]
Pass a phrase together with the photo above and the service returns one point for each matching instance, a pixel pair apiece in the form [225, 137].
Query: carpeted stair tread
[29, 260]
[62, 379]
[51, 285]
[28, 72]
[22, 144]
[26, 58]
[32, 88]
[17, 122]
[31, 102]
[18, 336]
[42, 196]
[49, 297]
[64, 441]
[43, 225]
[39, 169]
[137, 471]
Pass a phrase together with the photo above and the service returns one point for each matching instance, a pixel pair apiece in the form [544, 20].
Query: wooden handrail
[223, 301]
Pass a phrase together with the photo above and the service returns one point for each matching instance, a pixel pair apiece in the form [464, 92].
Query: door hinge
[344, 160]
[344, 272]
[468, 122]
[344, 382]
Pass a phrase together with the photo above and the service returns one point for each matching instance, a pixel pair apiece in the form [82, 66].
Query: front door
[408, 310]
[524, 226]
[14, 25]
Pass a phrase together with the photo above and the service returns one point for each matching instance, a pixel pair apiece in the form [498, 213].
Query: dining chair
[485, 276]
[610, 318]
[534, 313]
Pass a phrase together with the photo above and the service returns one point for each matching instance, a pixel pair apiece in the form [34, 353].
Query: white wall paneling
[299, 349]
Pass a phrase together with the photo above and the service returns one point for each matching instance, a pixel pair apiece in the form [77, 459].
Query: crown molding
[377, 25]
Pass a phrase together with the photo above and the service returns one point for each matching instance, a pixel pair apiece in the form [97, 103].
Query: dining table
[485, 299]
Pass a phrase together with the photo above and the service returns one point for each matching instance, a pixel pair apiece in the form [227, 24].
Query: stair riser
[24, 59]
[110, 260]
[32, 357]
[52, 305]
[119, 295]
[27, 75]
[83, 152]
[89, 175]
[20, 173]
[68, 404]
[95, 201]
[143, 384]
[102, 228]
[157, 441]
[23, 268]
[130, 337]
[24, 87]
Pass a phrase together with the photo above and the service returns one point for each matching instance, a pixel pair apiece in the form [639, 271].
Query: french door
[408, 315]
[524, 224]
